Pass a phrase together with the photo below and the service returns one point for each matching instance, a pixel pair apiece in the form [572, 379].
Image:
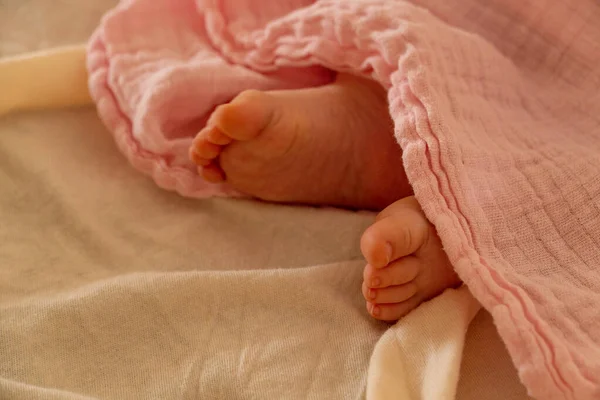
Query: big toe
[246, 116]
[399, 231]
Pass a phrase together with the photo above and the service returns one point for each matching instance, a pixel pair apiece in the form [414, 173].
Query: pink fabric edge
[175, 178]
[507, 308]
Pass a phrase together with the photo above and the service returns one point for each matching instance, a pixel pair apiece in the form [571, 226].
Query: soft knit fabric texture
[495, 105]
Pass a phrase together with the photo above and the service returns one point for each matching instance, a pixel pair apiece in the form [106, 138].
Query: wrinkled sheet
[113, 289]
[495, 106]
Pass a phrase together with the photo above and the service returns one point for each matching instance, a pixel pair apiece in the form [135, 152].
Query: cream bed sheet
[111, 288]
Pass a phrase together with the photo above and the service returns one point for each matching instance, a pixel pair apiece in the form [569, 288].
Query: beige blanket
[113, 289]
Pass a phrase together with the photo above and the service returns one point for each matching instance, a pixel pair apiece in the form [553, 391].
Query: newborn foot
[406, 262]
[330, 145]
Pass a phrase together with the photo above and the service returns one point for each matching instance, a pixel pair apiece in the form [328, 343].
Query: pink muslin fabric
[496, 105]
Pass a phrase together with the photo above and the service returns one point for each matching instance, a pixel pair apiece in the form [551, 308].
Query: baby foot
[330, 145]
[406, 262]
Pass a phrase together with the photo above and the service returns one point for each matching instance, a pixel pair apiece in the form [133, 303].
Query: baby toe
[203, 150]
[398, 233]
[392, 312]
[214, 135]
[207, 150]
[397, 273]
[390, 295]
[375, 247]
[246, 116]
[212, 173]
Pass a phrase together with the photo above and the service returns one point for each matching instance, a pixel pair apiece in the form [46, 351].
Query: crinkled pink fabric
[496, 106]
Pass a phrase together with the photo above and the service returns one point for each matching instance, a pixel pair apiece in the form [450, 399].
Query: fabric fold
[406, 364]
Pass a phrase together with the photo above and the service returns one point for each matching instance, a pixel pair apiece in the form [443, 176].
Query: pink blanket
[496, 106]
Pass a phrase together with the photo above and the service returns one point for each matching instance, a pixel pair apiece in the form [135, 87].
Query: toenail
[375, 282]
[388, 253]
[372, 294]
[375, 311]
